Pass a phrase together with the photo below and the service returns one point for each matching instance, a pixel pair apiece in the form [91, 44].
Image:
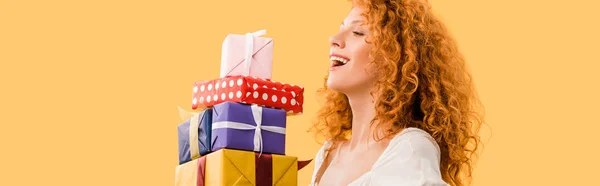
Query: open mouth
[337, 61]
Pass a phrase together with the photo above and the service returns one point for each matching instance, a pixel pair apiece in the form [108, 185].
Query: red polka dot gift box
[249, 90]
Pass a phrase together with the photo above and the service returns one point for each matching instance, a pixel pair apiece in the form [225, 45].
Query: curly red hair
[423, 82]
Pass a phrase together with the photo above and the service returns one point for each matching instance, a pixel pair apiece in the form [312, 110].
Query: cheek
[361, 52]
[361, 56]
[361, 68]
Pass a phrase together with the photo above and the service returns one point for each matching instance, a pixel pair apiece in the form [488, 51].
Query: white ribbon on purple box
[257, 114]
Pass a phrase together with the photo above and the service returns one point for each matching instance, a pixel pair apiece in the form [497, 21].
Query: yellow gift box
[187, 174]
[227, 167]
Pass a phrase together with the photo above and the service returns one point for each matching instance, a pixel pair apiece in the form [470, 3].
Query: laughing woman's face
[349, 56]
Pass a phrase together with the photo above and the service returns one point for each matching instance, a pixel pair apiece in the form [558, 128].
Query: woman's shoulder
[320, 158]
[410, 140]
[412, 157]
[323, 152]
[418, 142]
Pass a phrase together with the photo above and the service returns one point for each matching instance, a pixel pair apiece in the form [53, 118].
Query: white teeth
[343, 60]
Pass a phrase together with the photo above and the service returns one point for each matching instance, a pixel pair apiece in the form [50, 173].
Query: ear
[184, 114]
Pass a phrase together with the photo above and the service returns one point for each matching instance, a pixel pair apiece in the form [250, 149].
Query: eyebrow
[354, 22]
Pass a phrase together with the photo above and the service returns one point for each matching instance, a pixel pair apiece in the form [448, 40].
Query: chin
[349, 85]
[338, 86]
[335, 88]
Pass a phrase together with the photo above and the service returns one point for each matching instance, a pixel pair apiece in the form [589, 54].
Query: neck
[363, 112]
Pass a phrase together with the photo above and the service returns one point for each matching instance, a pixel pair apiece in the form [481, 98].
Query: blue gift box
[194, 136]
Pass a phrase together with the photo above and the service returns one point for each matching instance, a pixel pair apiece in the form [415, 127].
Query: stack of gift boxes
[238, 135]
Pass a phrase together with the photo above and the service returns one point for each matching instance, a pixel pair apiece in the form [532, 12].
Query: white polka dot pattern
[195, 89]
[248, 94]
[194, 101]
[223, 96]
[231, 95]
[293, 102]
[216, 85]
[283, 100]
[255, 95]
[274, 98]
[224, 84]
[231, 83]
[208, 99]
[293, 94]
[239, 82]
[239, 94]
[265, 96]
[255, 86]
[209, 87]
[216, 98]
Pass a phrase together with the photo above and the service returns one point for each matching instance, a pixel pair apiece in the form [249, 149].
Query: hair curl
[423, 82]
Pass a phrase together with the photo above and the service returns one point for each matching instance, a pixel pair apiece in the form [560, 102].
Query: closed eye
[358, 33]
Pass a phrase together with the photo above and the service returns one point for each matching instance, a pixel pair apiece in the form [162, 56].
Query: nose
[336, 41]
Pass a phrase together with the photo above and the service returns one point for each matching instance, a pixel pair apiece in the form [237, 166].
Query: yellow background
[90, 89]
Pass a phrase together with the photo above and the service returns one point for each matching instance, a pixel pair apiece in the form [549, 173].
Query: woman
[400, 107]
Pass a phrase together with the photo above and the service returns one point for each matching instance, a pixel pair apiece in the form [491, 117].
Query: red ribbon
[264, 169]
[302, 164]
[201, 170]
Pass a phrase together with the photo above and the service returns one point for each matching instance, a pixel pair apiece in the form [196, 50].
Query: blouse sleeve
[411, 160]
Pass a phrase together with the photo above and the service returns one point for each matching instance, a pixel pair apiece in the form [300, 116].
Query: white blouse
[412, 158]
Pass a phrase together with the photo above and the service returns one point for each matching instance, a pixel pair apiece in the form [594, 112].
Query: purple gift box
[235, 127]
